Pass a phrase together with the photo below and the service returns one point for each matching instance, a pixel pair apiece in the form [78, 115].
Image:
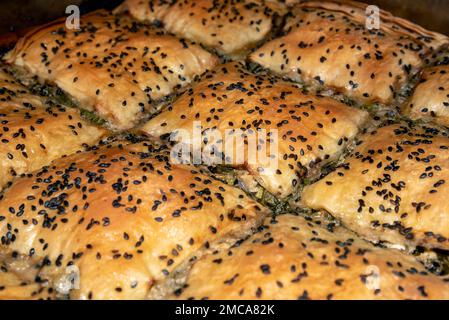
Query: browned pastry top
[430, 99]
[121, 219]
[33, 133]
[298, 258]
[329, 44]
[123, 215]
[393, 188]
[311, 130]
[230, 27]
[112, 65]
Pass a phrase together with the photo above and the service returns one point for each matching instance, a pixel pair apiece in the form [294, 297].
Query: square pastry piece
[34, 132]
[430, 100]
[119, 219]
[393, 188]
[297, 258]
[287, 133]
[231, 27]
[111, 65]
[327, 43]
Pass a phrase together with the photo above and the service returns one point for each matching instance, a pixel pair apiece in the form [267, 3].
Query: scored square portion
[328, 44]
[34, 132]
[430, 100]
[121, 217]
[307, 131]
[111, 65]
[230, 27]
[294, 257]
[392, 188]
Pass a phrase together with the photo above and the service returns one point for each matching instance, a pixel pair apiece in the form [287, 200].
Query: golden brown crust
[122, 215]
[328, 44]
[311, 130]
[297, 258]
[34, 133]
[430, 100]
[230, 27]
[389, 22]
[393, 188]
[111, 65]
[130, 224]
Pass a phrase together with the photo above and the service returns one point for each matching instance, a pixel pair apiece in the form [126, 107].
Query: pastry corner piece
[36, 132]
[329, 45]
[430, 99]
[280, 132]
[294, 257]
[112, 65]
[393, 188]
[231, 28]
[119, 219]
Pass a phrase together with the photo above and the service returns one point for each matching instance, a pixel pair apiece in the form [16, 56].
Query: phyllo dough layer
[311, 130]
[112, 65]
[430, 100]
[122, 215]
[327, 43]
[297, 258]
[34, 132]
[230, 27]
[392, 188]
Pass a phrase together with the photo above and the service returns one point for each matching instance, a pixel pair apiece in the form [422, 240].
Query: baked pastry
[392, 188]
[327, 43]
[430, 99]
[229, 27]
[112, 65]
[262, 178]
[301, 258]
[121, 214]
[18, 279]
[312, 130]
[34, 132]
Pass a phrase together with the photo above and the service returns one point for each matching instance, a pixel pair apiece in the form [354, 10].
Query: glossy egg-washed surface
[33, 132]
[329, 44]
[312, 130]
[230, 27]
[430, 100]
[298, 258]
[111, 65]
[392, 188]
[123, 215]
[132, 224]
